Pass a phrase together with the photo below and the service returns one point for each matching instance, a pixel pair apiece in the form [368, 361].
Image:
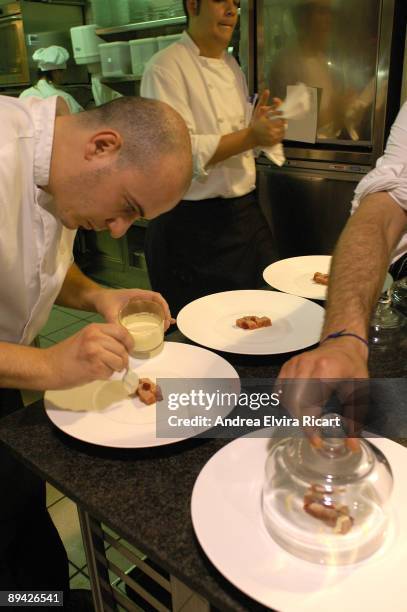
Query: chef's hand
[94, 353]
[108, 302]
[267, 132]
[340, 358]
[308, 380]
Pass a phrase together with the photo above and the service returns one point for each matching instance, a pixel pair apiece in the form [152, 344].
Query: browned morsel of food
[321, 279]
[318, 503]
[148, 392]
[252, 322]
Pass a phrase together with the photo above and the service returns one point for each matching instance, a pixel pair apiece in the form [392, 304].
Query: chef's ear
[193, 7]
[103, 144]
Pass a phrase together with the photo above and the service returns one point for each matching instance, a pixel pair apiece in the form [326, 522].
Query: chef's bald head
[149, 130]
[128, 158]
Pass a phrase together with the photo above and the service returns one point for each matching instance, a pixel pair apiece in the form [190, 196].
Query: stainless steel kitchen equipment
[13, 57]
[351, 55]
[25, 26]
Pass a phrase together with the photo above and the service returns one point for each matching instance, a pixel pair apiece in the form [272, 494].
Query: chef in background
[51, 65]
[216, 239]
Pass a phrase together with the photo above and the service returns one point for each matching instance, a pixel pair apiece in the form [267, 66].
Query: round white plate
[102, 413]
[294, 276]
[227, 519]
[211, 321]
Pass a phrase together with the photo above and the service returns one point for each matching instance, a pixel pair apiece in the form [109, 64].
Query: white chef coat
[212, 97]
[35, 249]
[390, 174]
[44, 89]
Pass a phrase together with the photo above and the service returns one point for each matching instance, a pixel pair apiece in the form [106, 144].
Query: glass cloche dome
[329, 504]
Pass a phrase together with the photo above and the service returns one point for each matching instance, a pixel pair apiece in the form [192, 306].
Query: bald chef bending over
[100, 169]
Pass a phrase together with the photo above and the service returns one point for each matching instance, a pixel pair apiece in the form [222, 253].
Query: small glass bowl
[144, 320]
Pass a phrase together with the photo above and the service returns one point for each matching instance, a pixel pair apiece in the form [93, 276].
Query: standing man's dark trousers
[32, 556]
[205, 247]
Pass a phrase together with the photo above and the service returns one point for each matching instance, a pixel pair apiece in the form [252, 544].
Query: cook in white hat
[51, 64]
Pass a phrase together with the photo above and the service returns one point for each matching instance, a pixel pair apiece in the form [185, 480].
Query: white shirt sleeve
[390, 174]
[160, 84]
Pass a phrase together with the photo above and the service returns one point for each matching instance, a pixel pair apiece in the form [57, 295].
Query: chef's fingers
[354, 396]
[156, 297]
[353, 444]
[117, 331]
[114, 354]
[263, 98]
[304, 397]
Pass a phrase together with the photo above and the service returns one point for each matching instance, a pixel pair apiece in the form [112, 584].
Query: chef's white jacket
[35, 249]
[44, 89]
[212, 97]
[390, 173]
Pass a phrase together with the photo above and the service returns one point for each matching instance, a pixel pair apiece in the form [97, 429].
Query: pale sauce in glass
[146, 329]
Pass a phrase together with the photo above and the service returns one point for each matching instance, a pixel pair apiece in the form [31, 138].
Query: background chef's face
[113, 198]
[216, 18]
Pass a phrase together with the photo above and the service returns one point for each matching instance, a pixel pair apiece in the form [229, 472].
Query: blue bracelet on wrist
[342, 333]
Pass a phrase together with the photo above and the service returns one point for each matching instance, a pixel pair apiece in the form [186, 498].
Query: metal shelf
[144, 25]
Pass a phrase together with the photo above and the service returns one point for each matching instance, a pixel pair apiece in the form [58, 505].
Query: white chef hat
[51, 58]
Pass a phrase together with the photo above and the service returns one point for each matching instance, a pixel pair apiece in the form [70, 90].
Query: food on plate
[318, 502]
[148, 392]
[320, 278]
[252, 322]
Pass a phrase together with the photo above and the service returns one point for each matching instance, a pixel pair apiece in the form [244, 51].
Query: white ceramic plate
[294, 276]
[102, 413]
[226, 515]
[211, 321]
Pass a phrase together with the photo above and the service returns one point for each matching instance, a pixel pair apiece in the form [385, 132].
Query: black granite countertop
[144, 495]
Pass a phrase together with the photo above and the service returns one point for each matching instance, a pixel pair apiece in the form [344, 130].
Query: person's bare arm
[357, 273]
[267, 134]
[358, 269]
[360, 263]
[23, 367]
[79, 291]
[262, 132]
[95, 352]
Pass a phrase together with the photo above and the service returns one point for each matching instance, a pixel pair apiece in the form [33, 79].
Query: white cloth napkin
[296, 105]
